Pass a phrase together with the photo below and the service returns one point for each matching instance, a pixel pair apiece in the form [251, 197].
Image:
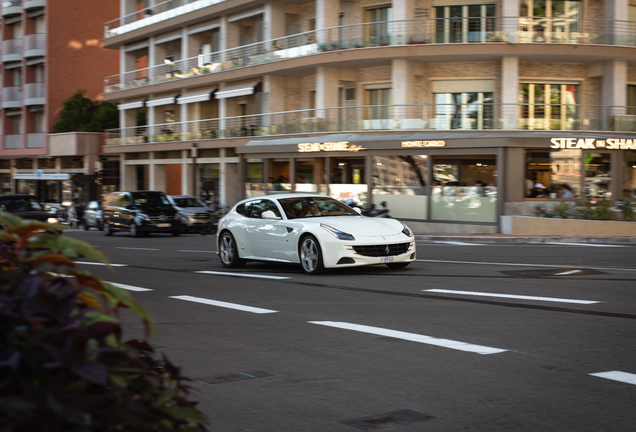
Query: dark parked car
[25, 206]
[195, 215]
[93, 216]
[139, 212]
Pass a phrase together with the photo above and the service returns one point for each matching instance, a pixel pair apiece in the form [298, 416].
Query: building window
[455, 24]
[377, 113]
[378, 28]
[549, 20]
[550, 170]
[16, 124]
[598, 175]
[631, 99]
[463, 110]
[549, 106]
[629, 174]
[39, 122]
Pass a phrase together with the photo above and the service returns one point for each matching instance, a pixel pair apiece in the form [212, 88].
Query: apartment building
[450, 111]
[49, 51]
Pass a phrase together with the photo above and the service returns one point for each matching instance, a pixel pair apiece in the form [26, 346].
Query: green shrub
[63, 364]
[627, 209]
[603, 210]
[563, 210]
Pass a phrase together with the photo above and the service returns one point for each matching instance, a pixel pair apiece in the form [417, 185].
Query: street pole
[193, 151]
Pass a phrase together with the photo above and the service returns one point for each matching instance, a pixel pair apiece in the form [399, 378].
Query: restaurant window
[456, 24]
[209, 181]
[629, 174]
[400, 182]
[348, 180]
[551, 21]
[551, 170]
[548, 106]
[254, 186]
[463, 110]
[598, 175]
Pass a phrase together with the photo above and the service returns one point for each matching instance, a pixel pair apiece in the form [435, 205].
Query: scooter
[370, 212]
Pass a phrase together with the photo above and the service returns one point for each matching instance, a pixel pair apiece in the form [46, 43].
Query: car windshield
[304, 207]
[21, 204]
[149, 198]
[188, 202]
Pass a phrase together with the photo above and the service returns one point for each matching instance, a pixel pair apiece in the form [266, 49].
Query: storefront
[458, 177]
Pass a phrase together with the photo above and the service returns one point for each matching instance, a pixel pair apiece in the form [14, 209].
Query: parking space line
[224, 304]
[129, 287]
[101, 264]
[512, 296]
[523, 265]
[243, 275]
[413, 337]
[623, 377]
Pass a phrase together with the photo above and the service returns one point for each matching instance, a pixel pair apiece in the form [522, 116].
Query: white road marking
[413, 337]
[224, 304]
[512, 296]
[525, 265]
[197, 251]
[617, 376]
[243, 275]
[60, 275]
[101, 264]
[583, 244]
[131, 248]
[568, 272]
[129, 287]
[459, 243]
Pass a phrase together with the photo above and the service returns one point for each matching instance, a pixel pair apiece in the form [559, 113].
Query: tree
[63, 364]
[80, 114]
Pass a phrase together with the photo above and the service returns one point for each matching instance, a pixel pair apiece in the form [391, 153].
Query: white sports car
[316, 231]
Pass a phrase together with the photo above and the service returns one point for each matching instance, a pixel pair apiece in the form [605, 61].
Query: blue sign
[39, 175]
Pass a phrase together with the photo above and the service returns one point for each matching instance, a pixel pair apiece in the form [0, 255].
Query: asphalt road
[468, 338]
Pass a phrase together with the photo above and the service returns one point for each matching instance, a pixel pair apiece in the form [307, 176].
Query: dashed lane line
[413, 337]
[623, 377]
[512, 296]
[100, 264]
[201, 251]
[583, 244]
[129, 287]
[224, 304]
[133, 248]
[524, 265]
[252, 275]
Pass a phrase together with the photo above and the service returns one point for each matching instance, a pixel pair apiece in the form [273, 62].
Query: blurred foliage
[80, 114]
[63, 364]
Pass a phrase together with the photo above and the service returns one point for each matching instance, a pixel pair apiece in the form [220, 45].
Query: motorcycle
[372, 211]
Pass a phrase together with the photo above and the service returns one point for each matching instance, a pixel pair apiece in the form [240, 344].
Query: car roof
[182, 196]
[287, 195]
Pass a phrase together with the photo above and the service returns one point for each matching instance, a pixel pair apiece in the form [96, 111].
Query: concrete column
[327, 13]
[274, 20]
[223, 24]
[222, 114]
[223, 184]
[509, 92]
[160, 177]
[403, 83]
[184, 46]
[614, 87]
[185, 171]
[403, 10]
[510, 23]
[327, 82]
[617, 29]
[151, 170]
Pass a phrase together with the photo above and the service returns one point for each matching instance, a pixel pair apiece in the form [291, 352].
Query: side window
[262, 206]
[245, 209]
[271, 205]
[93, 205]
[107, 200]
[123, 200]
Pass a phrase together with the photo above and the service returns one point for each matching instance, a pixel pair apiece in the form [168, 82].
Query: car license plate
[163, 225]
[386, 260]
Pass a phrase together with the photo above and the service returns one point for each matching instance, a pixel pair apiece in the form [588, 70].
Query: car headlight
[337, 233]
[406, 231]
[51, 220]
[143, 216]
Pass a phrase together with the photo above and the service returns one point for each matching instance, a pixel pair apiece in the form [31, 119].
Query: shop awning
[164, 100]
[235, 90]
[130, 105]
[201, 96]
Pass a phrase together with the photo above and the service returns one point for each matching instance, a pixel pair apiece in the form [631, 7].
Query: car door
[264, 236]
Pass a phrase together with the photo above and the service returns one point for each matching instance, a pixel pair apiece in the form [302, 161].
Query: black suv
[139, 212]
[26, 206]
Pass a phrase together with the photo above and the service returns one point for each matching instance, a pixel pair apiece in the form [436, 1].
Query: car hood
[359, 226]
[195, 209]
[158, 209]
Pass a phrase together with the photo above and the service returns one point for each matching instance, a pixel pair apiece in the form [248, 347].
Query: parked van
[139, 212]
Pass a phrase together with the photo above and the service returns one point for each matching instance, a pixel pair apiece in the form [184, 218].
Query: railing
[12, 94]
[390, 33]
[12, 46]
[34, 90]
[35, 41]
[428, 117]
[11, 3]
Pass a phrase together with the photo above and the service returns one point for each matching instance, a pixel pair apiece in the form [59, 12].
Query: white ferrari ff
[316, 231]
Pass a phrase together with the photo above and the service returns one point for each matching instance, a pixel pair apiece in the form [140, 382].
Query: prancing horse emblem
[387, 249]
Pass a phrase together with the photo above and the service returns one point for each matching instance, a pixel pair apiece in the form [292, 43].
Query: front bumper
[370, 251]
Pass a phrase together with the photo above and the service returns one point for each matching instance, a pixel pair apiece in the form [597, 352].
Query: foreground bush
[63, 364]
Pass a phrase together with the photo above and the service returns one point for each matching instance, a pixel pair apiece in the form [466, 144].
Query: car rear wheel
[107, 230]
[311, 256]
[228, 251]
[397, 265]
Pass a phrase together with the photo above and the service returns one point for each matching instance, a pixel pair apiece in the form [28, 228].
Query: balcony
[36, 140]
[397, 118]
[12, 97]
[34, 94]
[35, 45]
[13, 141]
[488, 30]
[11, 7]
[12, 50]
[34, 4]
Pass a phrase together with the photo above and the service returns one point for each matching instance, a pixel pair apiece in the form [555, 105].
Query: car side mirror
[269, 215]
[358, 210]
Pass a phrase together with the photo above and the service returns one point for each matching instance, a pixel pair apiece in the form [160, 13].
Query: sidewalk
[509, 238]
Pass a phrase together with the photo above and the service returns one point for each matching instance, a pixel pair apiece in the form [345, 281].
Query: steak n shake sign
[593, 143]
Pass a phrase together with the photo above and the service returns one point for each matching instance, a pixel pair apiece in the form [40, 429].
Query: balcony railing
[484, 116]
[34, 42]
[12, 96]
[390, 33]
[12, 47]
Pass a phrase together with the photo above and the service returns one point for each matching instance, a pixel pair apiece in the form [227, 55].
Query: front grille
[382, 250]
[164, 218]
[200, 216]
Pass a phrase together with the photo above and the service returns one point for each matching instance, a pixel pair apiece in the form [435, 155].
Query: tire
[107, 230]
[310, 256]
[228, 251]
[134, 231]
[176, 233]
[86, 227]
[100, 225]
[398, 265]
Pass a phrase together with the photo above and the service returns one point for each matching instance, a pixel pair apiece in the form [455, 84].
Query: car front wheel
[311, 256]
[107, 230]
[228, 251]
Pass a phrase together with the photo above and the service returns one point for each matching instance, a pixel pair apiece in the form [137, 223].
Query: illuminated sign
[423, 143]
[329, 146]
[593, 143]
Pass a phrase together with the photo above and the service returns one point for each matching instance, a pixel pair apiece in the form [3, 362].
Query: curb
[524, 239]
